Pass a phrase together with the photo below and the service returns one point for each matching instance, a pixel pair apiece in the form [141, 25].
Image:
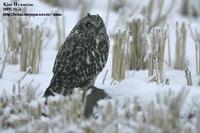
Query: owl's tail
[56, 86]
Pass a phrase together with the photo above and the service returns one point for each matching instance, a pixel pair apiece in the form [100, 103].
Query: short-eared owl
[81, 58]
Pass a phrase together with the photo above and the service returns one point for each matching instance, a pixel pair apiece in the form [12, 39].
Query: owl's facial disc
[91, 27]
[94, 23]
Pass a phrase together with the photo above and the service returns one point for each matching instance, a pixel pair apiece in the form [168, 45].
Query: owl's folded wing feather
[73, 53]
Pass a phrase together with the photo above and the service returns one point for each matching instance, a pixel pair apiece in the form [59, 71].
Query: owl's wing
[73, 53]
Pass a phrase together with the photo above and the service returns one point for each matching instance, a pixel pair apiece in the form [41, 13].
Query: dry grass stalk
[120, 56]
[28, 71]
[157, 72]
[4, 63]
[13, 40]
[188, 76]
[196, 38]
[156, 58]
[31, 91]
[31, 49]
[3, 36]
[14, 31]
[60, 29]
[197, 124]
[181, 36]
[169, 51]
[103, 81]
[138, 45]
[197, 51]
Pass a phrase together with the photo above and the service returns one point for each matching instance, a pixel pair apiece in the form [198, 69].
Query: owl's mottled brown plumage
[81, 58]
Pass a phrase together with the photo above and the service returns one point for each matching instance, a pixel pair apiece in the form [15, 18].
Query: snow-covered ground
[135, 84]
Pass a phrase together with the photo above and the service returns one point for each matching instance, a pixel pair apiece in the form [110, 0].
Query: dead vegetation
[156, 57]
[162, 115]
[181, 36]
[188, 76]
[138, 45]
[145, 54]
[129, 49]
[133, 51]
[23, 44]
[120, 56]
[139, 49]
[196, 37]
[31, 45]
[14, 30]
[4, 63]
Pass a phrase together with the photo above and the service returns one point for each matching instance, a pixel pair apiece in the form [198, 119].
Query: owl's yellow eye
[101, 24]
[89, 25]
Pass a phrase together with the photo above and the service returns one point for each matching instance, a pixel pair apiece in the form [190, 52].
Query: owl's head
[92, 24]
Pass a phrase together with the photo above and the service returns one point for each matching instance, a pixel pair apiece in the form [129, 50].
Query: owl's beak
[101, 31]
